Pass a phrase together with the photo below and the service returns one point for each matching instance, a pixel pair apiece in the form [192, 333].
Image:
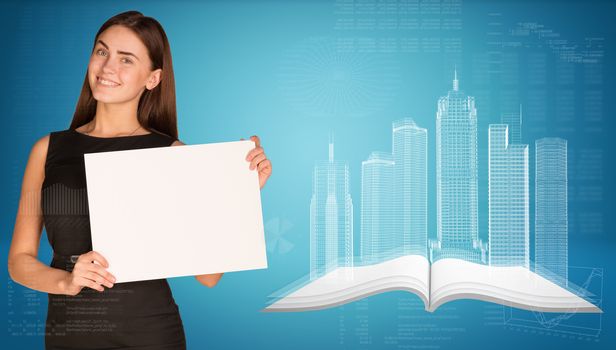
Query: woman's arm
[23, 265]
[209, 280]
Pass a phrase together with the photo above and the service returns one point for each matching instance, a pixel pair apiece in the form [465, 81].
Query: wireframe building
[378, 236]
[551, 217]
[508, 208]
[514, 121]
[410, 153]
[456, 179]
[331, 217]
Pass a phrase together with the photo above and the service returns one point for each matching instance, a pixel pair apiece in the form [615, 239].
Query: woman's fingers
[256, 160]
[102, 272]
[266, 164]
[100, 259]
[93, 276]
[85, 262]
[82, 281]
[254, 152]
[257, 148]
[90, 271]
[94, 256]
[256, 140]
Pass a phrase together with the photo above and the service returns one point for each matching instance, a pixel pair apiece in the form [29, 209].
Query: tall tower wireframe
[508, 203]
[514, 121]
[456, 178]
[551, 213]
[410, 154]
[331, 217]
[378, 236]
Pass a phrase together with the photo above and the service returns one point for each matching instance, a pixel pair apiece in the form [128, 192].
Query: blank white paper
[176, 211]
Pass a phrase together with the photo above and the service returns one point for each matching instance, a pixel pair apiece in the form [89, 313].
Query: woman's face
[119, 68]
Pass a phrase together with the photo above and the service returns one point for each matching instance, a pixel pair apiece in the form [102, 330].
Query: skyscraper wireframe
[378, 236]
[456, 178]
[514, 121]
[410, 153]
[508, 203]
[551, 213]
[331, 217]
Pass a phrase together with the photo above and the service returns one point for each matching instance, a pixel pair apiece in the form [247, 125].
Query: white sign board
[176, 211]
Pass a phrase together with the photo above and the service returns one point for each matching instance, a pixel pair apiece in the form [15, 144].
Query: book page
[345, 284]
[514, 286]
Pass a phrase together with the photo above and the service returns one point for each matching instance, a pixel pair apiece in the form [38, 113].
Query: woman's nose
[110, 66]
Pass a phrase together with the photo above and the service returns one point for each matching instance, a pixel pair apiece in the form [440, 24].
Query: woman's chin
[108, 98]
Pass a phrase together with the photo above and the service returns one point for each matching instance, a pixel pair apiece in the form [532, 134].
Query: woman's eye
[102, 52]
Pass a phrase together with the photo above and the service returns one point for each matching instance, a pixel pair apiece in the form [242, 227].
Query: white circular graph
[321, 78]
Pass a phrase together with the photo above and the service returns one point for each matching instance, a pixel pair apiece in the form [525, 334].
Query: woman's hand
[257, 159]
[88, 274]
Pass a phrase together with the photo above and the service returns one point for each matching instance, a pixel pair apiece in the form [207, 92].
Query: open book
[443, 281]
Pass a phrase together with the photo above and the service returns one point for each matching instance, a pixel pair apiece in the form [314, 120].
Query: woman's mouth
[106, 83]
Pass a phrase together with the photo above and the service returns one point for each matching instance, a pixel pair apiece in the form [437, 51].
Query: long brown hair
[156, 110]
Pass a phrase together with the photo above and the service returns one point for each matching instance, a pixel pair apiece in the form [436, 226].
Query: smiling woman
[126, 67]
[127, 102]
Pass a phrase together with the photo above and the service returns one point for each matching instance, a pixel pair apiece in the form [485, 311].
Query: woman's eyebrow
[120, 52]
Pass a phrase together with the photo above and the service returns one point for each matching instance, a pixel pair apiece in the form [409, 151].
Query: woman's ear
[154, 79]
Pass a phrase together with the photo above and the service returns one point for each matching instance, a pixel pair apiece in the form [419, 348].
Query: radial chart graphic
[276, 230]
[319, 77]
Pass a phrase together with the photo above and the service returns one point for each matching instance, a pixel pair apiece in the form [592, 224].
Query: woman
[127, 102]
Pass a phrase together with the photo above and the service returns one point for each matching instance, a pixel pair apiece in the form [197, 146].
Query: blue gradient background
[227, 60]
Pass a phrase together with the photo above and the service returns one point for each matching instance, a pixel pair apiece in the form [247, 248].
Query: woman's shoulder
[40, 147]
[171, 140]
[56, 145]
[55, 135]
[35, 166]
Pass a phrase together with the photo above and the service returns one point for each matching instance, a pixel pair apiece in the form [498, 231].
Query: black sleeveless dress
[133, 315]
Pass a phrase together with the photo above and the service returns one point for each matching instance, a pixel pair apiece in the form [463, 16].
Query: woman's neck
[114, 119]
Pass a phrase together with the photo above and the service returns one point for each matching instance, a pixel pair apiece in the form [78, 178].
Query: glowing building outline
[410, 154]
[378, 235]
[456, 179]
[551, 212]
[331, 217]
[508, 200]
